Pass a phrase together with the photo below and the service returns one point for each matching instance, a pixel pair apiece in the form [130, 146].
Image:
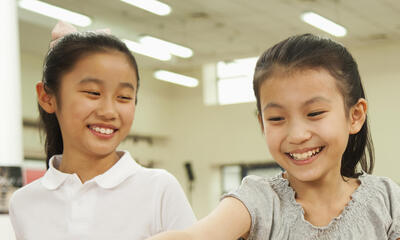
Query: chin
[102, 151]
[306, 176]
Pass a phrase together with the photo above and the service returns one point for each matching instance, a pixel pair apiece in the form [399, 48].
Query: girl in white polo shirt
[87, 101]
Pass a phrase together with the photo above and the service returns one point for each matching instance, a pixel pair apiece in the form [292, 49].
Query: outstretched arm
[229, 221]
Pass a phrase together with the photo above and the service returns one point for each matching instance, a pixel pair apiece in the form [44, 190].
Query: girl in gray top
[313, 113]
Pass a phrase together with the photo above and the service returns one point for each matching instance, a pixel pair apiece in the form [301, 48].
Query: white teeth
[103, 130]
[305, 155]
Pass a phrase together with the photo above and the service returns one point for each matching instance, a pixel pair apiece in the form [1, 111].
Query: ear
[358, 114]
[47, 101]
[260, 121]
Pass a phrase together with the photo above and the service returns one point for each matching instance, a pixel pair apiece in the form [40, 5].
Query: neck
[324, 191]
[87, 166]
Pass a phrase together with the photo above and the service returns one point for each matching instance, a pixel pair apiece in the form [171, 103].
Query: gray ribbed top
[372, 213]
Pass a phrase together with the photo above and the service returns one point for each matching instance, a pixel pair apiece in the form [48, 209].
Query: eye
[92, 93]
[314, 114]
[275, 119]
[125, 98]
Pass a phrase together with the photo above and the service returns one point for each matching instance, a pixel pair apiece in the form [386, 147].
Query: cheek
[73, 110]
[337, 133]
[273, 137]
[81, 109]
[73, 115]
[127, 112]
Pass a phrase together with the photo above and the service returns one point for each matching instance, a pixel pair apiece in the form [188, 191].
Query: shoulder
[270, 185]
[157, 175]
[145, 174]
[149, 181]
[253, 179]
[156, 180]
[27, 193]
[387, 192]
[382, 185]
[255, 190]
[382, 189]
[142, 175]
[23, 199]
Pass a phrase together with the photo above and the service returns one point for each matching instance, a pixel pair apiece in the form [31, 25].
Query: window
[232, 175]
[235, 81]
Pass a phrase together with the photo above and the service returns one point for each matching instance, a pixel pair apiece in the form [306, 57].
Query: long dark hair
[310, 51]
[59, 60]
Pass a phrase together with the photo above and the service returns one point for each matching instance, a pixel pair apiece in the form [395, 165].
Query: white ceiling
[221, 29]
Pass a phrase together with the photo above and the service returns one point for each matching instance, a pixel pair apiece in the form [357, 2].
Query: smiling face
[305, 123]
[96, 103]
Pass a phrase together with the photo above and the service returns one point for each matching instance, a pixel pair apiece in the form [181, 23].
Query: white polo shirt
[127, 202]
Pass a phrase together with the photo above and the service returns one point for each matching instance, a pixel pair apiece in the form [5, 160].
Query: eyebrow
[101, 82]
[317, 99]
[308, 102]
[272, 105]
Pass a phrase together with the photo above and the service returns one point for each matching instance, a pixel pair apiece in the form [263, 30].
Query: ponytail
[53, 142]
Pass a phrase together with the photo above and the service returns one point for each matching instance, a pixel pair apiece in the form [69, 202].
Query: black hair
[310, 51]
[60, 59]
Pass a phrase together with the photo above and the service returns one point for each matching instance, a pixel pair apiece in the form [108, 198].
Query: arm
[229, 221]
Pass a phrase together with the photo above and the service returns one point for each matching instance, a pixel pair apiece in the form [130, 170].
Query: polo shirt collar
[119, 172]
[53, 177]
[124, 168]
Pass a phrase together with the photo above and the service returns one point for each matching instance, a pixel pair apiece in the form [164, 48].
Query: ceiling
[221, 29]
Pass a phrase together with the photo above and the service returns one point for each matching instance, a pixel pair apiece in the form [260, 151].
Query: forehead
[297, 86]
[109, 66]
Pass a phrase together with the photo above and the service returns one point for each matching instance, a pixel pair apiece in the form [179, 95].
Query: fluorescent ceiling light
[152, 6]
[55, 12]
[147, 51]
[173, 48]
[176, 78]
[324, 24]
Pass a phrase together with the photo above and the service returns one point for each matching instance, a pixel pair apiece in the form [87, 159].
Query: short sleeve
[261, 202]
[176, 212]
[394, 207]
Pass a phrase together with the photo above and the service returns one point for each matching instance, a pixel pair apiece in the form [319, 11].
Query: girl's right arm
[229, 221]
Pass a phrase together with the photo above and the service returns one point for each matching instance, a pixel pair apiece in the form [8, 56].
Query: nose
[106, 109]
[298, 133]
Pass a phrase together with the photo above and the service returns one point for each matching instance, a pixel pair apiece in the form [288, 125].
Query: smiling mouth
[305, 155]
[102, 130]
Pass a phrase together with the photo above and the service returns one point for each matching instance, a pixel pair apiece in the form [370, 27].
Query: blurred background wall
[174, 124]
